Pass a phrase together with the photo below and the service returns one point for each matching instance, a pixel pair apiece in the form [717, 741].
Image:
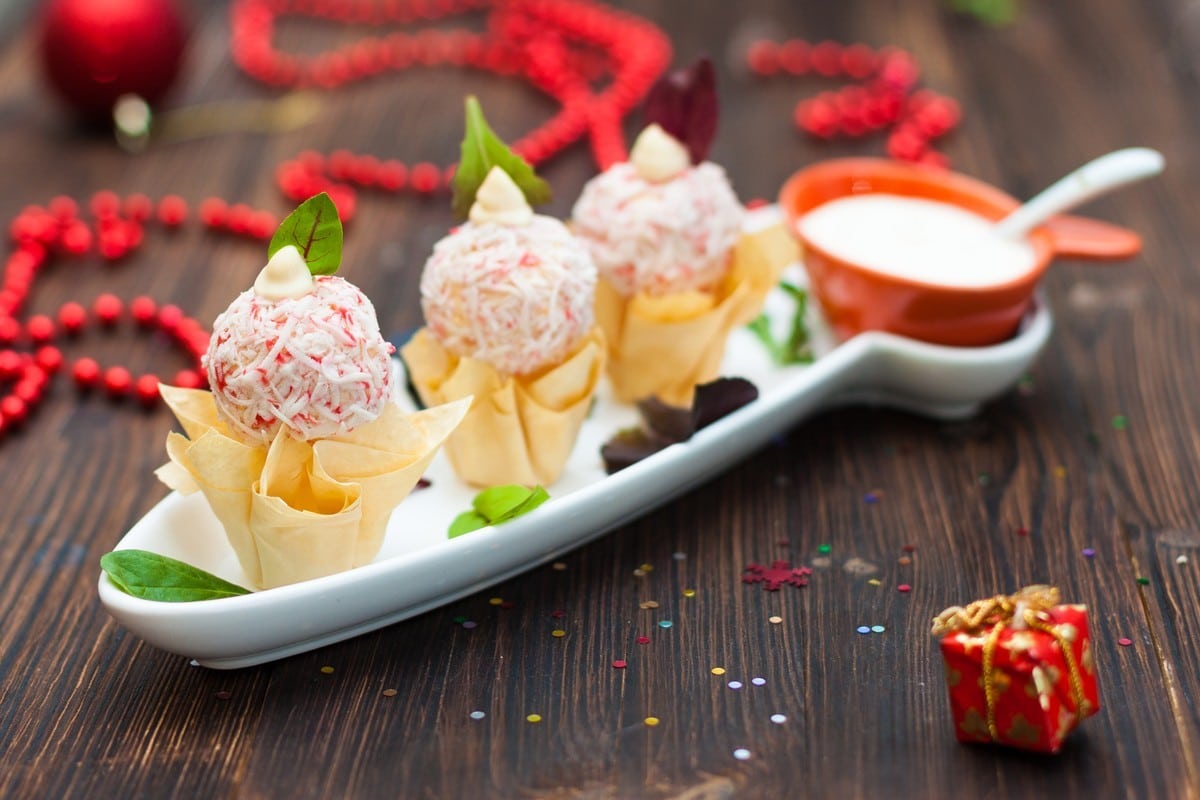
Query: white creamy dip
[918, 239]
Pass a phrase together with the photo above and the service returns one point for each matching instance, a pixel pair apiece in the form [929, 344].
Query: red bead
[169, 317]
[72, 317]
[105, 204]
[10, 330]
[794, 57]
[341, 164]
[29, 392]
[172, 210]
[143, 310]
[32, 372]
[146, 389]
[85, 372]
[76, 238]
[10, 364]
[827, 59]
[107, 308]
[40, 328]
[117, 381]
[425, 177]
[392, 175]
[188, 379]
[262, 225]
[49, 359]
[238, 218]
[138, 207]
[763, 58]
[344, 199]
[213, 211]
[13, 409]
[859, 61]
[64, 208]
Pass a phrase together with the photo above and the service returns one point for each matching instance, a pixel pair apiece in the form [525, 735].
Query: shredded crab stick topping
[654, 228]
[314, 362]
[513, 291]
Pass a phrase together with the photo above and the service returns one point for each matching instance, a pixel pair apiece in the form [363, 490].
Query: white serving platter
[419, 568]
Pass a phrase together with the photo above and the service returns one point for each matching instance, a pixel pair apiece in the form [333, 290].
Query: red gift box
[1019, 669]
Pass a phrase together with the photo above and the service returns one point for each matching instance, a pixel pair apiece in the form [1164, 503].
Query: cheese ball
[518, 297]
[659, 238]
[316, 364]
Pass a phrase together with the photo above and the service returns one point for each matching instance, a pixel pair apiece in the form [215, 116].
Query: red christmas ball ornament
[95, 51]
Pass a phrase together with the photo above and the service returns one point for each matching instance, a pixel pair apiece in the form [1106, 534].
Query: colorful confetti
[823, 549]
[1120, 422]
[875, 582]
[779, 719]
[639, 573]
[735, 685]
[779, 573]
[1022, 531]
[648, 604]
[469, 624]
[496, 601]
[1060, 472]
[643, 640]
[872, 497]
[558, 566]
[558, 633]
[651, 722]
[459, 620]
[909, 548]
[533, 718]
[647, 567]
[1143, 581]
[665, 623]
[904, 561]
[877, 629]
[327, 670]
[759, 681]
[904, 588]
[389, 692]
[1125, 641]
[679, 556]
[477, 715]
[717, 670]
[619, 664]
[557, 614]
[775, 619]
[1181, 559]
[742, 754]
[863, 629]
[1089, 552]
[223, 695]
[689, 592]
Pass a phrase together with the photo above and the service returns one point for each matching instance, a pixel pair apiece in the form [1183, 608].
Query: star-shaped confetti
[774, 576]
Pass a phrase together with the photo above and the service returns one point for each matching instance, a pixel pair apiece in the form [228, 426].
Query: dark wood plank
[86, 710]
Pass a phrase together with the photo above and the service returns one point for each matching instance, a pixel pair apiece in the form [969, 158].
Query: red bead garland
[29, 359]
[883, 96]
[562, 47]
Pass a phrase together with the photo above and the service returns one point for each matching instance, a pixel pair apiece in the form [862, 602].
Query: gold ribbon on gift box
[1028, 608]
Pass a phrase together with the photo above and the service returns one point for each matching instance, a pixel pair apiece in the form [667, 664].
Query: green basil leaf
[151, 576]
[498, 504]
[482, 150]
[316, 231]
[535, 499]
[495, 502]
[466, 522]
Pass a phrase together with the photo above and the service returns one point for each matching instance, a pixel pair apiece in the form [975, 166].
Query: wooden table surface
[87, 710]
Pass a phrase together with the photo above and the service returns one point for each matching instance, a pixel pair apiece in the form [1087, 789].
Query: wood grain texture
[86, 710]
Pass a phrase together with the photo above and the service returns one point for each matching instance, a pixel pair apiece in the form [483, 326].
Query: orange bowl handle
[1080, 237]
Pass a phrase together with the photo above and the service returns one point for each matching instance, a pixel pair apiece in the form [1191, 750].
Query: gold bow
[1026, 609]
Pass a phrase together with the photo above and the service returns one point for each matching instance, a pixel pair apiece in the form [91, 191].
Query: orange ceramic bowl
[855, 298]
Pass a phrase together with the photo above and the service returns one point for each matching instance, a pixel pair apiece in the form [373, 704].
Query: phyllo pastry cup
[520, 428]
[663, 346]
[295, 510]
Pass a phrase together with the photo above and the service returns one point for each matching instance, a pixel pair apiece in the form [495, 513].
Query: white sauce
[922, 240]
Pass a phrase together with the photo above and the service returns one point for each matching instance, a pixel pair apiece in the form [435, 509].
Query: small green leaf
[797, 349]
[482, 150]
[497, 501]
[535, 499]
[466, 522]
[498, 504]
[151, 576]
[316, 231]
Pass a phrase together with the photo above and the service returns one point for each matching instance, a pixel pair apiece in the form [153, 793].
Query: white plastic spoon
[1093, 179]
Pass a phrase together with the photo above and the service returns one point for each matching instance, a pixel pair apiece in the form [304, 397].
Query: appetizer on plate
[508, 301]
[677, 272]
[299, 448]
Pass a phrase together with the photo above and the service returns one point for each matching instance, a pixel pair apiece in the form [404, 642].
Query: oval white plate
[419, 568]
